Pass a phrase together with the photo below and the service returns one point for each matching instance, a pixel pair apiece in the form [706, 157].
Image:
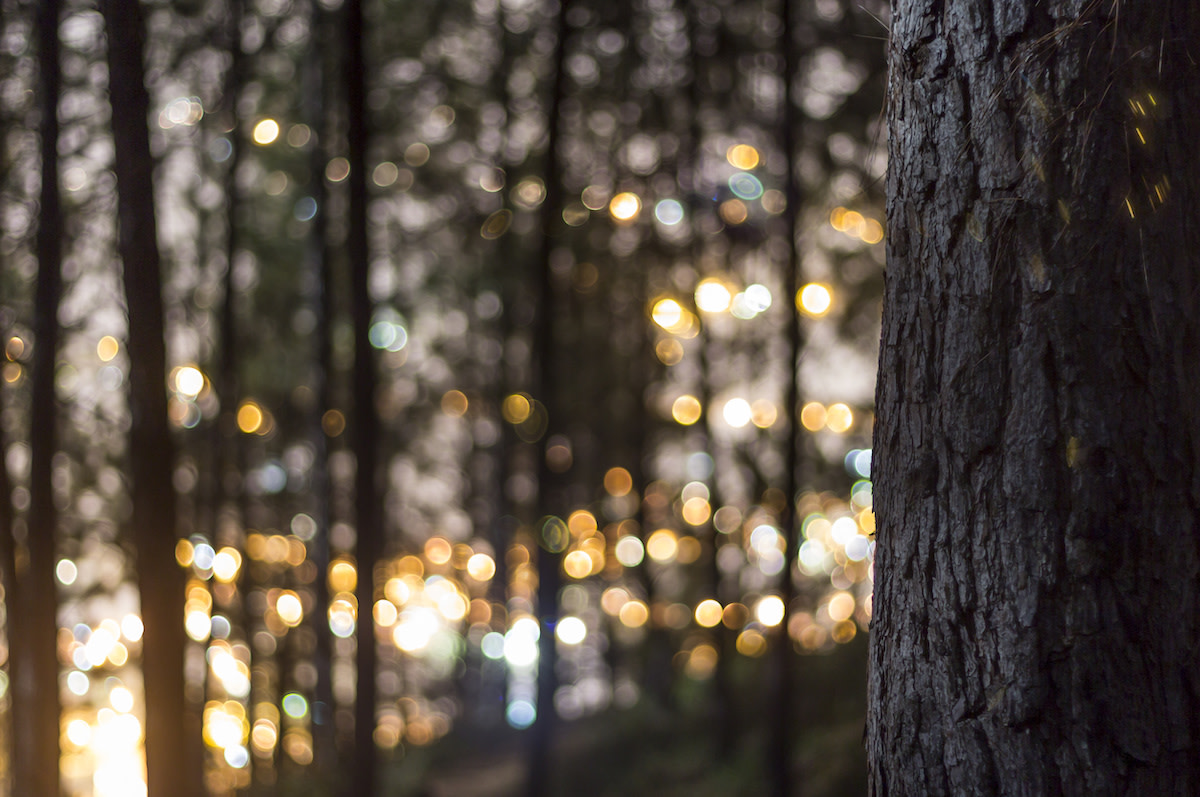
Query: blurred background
[623, 272]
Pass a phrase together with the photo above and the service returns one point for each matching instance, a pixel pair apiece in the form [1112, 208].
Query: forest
[438, 397]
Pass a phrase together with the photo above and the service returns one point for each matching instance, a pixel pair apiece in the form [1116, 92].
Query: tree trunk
[369, 546]
[1036, 625]
[36, 706]
[169, 768]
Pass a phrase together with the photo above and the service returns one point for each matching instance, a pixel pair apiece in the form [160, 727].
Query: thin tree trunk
[36, 707]
[366, 421]
[170, 770]
[550, 492]
[1036, 625]
[783, 653]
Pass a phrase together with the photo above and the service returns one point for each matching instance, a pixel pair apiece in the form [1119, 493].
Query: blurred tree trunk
[1036, 625]
[34, 640]
[369, 546]
[170, 770]
[550, 484]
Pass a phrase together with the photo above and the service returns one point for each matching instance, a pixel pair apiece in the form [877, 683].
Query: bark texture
[1036, 618]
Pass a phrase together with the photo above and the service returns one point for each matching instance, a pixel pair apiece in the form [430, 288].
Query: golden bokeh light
[189, 381]
[108, 347]
[481, 567]
[618, 482]
[763, 414]
[662, 545]
[686, 410]
[689, 550]
[751, 643]
[812, 416]
[696, 511]
[385, 613]
[669, 351]
[343, 576]
[289, 608]
[841, 606]
[625, 206]
[713, 296]
[701, 661]
[709, 613]
[516, 408]
[438, 550]
[839, 418]
[742, 156]
[769, 611]
[454, 403]
[668, 314]
[249, 417]
[265, 132]
[577, 564]
[333, 423]
[634, 614]
[737, 412]
[815, 299]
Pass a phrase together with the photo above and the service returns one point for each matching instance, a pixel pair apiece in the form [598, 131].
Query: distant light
[520, 714]
[66, 572]
[492, 645]
[742, 156]
[78, 683]
[226, 565]
[625, 206]
[686, 410]
[662, 545]
[745, 186]
[306, 209]
[121, 699]
[737, 412]
[769, 611]
[813, 416]
[481, 567]
[249, 417]
[839, 418]
[295, 706]
[265, 132]
[713, 296]
[521, 642]
[79, 732]
[668, 211]
[618, 482]
[708, 613]
[815, 299]
[571, 631]
[763, 414]
[107, 348]
[237, 756]
[634, 614]
[337, 169]
[189, 381]
[667, 313]
[578, 564]
[289, 608]
[629, 551]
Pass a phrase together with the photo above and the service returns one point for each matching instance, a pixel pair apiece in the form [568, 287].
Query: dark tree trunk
[170, 770]
[550, 484]
[35, 694]
[1036, 619]
[369, 546]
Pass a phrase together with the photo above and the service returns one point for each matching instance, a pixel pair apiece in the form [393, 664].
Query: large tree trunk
[1036, 620]
[169, 768]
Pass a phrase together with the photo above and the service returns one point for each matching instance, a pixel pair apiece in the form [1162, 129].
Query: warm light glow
[742, 156]
[618, 482]
[813, 416]
[516, 408]
[634, 614]
[454, 403]
[839, 418]
[815, 299]
[265, 132]
[686, 410]
[343, 576]
[438, 550]
[249, 417]
[66, 572]
[289, 608]
[696, 511]
[667, 313]
[713, 296]
[226, 565]
[481, 567]
[107, 348]
[708, 613]
[385, 613]
[189, 381]
[737, 412]
[662, 545]
[577, 564]
[841, 606]
[763, 414]
[625, 206]
[769, 611]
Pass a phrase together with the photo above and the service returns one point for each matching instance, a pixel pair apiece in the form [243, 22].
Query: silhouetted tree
[169, 768]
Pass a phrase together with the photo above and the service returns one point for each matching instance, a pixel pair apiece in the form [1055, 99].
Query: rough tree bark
[1036, 616]
[170, 770]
